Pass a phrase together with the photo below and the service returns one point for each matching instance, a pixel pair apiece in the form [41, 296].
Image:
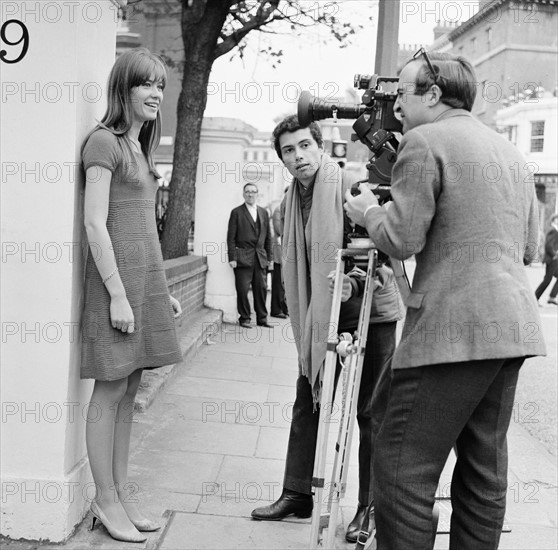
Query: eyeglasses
[250, 192]
[422, 52]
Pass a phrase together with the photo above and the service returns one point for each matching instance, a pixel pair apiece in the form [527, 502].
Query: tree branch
[261, 18]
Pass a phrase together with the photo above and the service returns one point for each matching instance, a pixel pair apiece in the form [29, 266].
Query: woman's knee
[133, 383]
[112, 390]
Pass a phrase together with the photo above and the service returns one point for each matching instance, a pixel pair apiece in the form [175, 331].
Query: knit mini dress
[107, 353]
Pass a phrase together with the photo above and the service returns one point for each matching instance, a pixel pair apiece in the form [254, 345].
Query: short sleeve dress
[109, 354]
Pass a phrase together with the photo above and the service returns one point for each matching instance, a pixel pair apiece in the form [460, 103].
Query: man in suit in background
[249, 246]
[460, 205]
[278, 302]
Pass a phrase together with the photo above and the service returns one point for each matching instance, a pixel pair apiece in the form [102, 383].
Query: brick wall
[186, 279]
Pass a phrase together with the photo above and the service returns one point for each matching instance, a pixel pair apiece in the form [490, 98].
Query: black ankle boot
[290, 502]
[354, 527]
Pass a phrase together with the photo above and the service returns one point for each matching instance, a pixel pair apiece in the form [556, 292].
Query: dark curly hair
[291, 124]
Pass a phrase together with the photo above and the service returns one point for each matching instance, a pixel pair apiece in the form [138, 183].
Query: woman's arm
[97, 190]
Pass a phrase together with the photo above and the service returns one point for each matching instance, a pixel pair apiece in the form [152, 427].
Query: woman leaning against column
[128, 318]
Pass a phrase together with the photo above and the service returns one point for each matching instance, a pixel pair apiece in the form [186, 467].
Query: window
[488, 36]
[473, 44]
[245, 155]
[537, 136]
[511, 132]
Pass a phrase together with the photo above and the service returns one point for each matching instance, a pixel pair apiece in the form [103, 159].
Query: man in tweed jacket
[464, 204]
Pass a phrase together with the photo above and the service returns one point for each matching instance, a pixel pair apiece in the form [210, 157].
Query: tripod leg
[316, 529]
[340, 464]
[343, 448]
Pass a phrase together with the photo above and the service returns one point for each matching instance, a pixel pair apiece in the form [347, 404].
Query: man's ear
[434, 95]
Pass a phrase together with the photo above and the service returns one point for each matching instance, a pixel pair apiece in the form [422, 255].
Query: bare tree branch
[261, 18]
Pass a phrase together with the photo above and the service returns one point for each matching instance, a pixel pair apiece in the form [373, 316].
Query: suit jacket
[249, 242]
[464, 203]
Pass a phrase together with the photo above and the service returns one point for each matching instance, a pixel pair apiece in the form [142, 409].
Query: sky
[252, 90]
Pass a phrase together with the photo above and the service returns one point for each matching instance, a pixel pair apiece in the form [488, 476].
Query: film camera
[375, 125]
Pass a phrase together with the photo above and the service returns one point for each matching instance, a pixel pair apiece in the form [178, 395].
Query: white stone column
[50, 100]
[219, 185]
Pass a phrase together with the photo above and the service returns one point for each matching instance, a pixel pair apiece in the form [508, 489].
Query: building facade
[512, 45]
[532, 125]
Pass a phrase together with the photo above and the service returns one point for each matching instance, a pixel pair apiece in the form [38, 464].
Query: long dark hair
[132, 69]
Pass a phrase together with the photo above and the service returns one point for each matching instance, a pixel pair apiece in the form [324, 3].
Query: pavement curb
[192, 333]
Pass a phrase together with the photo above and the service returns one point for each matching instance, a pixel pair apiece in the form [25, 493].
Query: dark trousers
[551, 271]
[431, 409]
[243, 277]
[278, 302]
[299, 468]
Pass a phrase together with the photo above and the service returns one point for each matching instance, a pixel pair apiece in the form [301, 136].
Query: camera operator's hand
[346, 289]
[357, 206]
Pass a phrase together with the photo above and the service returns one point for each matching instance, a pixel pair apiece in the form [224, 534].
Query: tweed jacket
[464, 203]
[248, 242]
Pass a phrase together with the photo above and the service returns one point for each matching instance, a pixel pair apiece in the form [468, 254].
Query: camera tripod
[352, 349]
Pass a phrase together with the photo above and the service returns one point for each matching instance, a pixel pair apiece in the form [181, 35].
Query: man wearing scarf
[315, 228]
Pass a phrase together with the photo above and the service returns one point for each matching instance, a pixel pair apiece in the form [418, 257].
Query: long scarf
[309, 255]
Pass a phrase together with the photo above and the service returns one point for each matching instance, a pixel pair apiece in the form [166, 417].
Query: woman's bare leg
[100, 439]
[123, 429]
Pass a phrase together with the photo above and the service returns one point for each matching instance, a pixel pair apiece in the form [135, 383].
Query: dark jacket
[247, 240]
[551, 246]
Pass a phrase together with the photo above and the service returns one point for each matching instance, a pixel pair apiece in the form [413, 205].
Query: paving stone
[178, 471]
[272, 443]
[222, 371]
[207, 437]
[287, 363]
[282, 395]
[219, 389]
[220, 356]
[196, 532]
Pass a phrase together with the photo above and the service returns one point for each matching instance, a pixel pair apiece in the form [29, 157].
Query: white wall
[51, 98]
[219, 183]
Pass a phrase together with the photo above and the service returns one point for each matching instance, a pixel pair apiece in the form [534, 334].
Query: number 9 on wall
[7, 31]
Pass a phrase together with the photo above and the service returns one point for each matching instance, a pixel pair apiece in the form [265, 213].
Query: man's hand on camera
[346, 289]
[357, 206]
